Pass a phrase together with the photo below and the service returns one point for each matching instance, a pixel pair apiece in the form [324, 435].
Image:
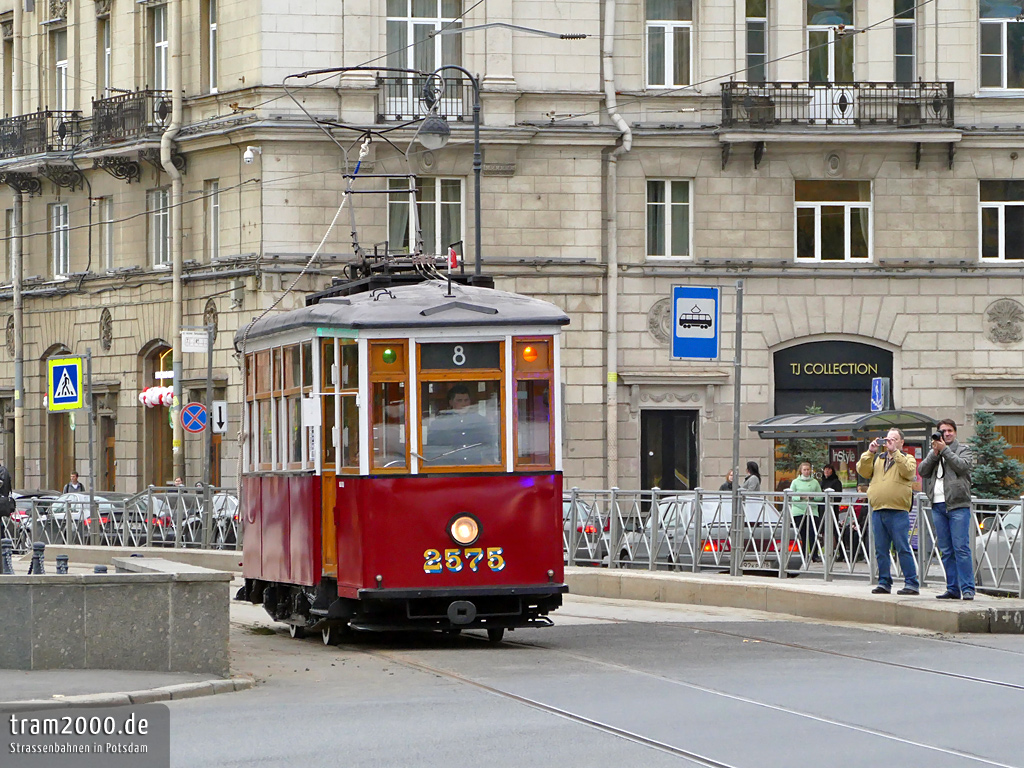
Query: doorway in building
[61, 444]
[668, 449]
[108, 467]
[157, 435]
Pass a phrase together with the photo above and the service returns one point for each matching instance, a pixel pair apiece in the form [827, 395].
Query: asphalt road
[616, 683]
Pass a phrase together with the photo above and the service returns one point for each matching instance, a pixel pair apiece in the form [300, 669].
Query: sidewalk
[831, 601]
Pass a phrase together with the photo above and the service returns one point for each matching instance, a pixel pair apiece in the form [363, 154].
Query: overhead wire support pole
[738, 513]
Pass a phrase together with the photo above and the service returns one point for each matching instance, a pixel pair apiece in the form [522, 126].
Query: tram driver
[461, 434]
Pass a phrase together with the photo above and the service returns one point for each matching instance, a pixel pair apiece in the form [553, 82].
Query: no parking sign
[194, 417]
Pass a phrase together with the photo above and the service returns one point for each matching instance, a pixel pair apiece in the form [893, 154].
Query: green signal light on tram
[389, 356]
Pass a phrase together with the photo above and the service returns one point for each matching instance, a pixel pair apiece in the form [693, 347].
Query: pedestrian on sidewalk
[73, 486]
[727, 485]
[6, 503]
[803, 506]
[752, 482]
[890, 492]
[946, 477]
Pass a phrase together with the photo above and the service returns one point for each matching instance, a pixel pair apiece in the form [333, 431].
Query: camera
[936, 435]
[880, 442]
[249, 156]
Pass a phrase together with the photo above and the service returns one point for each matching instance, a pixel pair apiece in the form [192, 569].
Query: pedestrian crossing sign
[64, 384]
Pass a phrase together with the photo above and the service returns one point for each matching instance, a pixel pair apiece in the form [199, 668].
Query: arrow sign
[220, 416]
[193, 417]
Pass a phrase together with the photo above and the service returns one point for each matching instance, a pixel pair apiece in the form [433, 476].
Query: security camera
[250, 154]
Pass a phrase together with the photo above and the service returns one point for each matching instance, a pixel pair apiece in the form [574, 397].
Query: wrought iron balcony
[39, 132]
[130, 116]
[833, 105]
[399, 99]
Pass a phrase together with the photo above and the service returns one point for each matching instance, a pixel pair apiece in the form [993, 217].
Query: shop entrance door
[668, 450]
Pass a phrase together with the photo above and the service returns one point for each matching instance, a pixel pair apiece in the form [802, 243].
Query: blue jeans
[953, 535]
[892, 528]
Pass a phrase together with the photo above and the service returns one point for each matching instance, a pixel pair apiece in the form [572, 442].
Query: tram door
[668, 449]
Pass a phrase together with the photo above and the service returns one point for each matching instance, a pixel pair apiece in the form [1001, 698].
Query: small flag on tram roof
[453, 258]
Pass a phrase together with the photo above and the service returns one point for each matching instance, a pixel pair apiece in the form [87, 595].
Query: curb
[127, 698]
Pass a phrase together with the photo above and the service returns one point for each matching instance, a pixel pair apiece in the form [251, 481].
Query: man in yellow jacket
[890, 494]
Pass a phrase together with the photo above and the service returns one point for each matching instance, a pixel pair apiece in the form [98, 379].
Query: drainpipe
[174, 81]
[19, 346]
[612, 230]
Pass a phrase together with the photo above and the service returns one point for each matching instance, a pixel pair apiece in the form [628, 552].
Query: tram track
[700, 759]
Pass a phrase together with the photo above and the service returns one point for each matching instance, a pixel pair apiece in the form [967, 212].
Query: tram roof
[860, 425]
[422, 305]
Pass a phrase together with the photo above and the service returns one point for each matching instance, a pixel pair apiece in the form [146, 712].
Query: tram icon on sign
[695, 319]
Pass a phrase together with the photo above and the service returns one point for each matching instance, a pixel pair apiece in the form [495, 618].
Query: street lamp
[433, 136]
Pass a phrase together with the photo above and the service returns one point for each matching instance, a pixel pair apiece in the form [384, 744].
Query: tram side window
[348, 388]
[389, 373]
[461, 421]
[533, 370]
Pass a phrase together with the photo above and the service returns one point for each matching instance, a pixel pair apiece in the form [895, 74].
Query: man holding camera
[946, 477]
[890, 493]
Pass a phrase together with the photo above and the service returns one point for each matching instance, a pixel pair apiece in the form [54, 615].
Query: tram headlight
[464, 529]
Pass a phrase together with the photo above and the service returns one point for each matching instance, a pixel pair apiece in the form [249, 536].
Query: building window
[757, 40]
[833, 220]
[210, 69]
[158, 23]
[211, 210]
[829, 48]
[438, 213]
[411, 39]
[105, 211]
[1002, 45]
[158, 205]
[669, 223]
[669, 27]
[1002, 221]
[59, 40]
[103, 56]
[8, 77]
[60, 239]
[905, 40]
[9, 245]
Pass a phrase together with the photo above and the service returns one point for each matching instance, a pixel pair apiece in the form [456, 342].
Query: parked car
[226, 521]
[678, 541]
[592, 546]
[995, 548]
[82, 524]
[160, 511]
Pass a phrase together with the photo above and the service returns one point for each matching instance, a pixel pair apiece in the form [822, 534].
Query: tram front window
[460, 423]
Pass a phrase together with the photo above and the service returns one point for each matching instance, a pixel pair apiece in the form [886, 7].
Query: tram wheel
[495, 634]
[333, 634]
[296, 632]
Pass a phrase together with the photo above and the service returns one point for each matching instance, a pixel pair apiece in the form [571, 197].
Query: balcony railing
[39, 132]
[828, 105]
[130, 116]
[399, 99]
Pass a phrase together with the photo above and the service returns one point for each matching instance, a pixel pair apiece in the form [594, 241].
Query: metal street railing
[398, 98]
[826, 535]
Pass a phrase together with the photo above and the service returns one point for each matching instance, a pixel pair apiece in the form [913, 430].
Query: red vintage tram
[402, 468]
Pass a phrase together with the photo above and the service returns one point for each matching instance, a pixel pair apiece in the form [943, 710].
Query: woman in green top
[804, 510]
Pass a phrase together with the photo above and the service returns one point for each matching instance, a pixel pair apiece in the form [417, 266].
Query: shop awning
[851, 425]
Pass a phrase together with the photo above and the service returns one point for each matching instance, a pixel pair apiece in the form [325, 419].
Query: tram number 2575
[456, 559]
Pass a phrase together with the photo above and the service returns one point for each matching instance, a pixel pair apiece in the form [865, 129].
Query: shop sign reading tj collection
[822, 365]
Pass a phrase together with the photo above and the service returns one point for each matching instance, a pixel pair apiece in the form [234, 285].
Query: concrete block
[643, 587]
[189, 690]
[198, 628]
[750, 595]
[128, 629]
[1003, 621]
[148, 697]
[15, 626]
[58, 626]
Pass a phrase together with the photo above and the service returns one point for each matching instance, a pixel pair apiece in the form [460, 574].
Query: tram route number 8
[456, 559]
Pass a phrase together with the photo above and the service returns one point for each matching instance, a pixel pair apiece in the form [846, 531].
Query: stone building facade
[853, 162]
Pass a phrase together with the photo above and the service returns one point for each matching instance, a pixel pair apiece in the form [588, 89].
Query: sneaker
[880, 591]
[967, 596]
[947, 595]
[908, 591]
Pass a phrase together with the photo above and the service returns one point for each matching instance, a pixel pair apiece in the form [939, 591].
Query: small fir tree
[791, 453]
[995, 475]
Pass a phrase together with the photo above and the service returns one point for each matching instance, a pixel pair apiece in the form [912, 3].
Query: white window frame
[667, 205]
[438, 246]
[1003, 33]
[105, 54]
[211, 10]
[1000, 207]
[847, 207]
[158, 17]
[759, 23]
[902, 22]
[159, 208]
[60, 239]
[105, 212]
[211, 200]
[668, 29]
[60, 70]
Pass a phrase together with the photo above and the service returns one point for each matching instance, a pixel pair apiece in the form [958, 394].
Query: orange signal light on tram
[529, 354]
